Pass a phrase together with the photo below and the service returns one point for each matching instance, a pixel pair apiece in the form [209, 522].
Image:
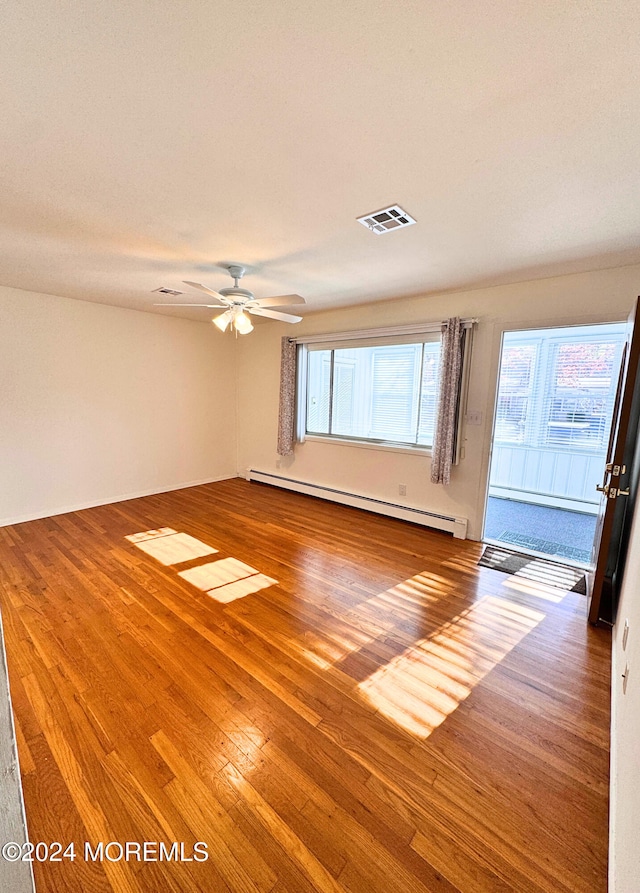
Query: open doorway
[556, 392]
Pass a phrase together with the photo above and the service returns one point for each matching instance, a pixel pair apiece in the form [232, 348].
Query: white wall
[624, 822]
[600, 296]
[99, 403]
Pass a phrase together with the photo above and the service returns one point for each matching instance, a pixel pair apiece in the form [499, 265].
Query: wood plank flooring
[331, 701]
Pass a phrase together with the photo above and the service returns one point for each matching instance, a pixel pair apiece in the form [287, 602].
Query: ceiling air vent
[167, 291]
[386, 220]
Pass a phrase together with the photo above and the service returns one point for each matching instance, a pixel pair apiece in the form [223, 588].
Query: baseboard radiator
[456, 526]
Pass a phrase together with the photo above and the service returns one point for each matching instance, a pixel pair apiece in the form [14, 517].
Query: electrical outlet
[402, 489]
[473, 417]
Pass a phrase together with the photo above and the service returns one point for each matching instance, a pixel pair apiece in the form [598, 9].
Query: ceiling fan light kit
[238, 302]
[242, 324]
[223, 320]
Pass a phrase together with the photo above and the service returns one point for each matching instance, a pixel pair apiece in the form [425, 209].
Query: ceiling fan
[238, 302]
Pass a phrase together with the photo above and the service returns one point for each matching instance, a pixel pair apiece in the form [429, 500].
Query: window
[557, 388]
[379, 391]
[515, 394]
[581, 392]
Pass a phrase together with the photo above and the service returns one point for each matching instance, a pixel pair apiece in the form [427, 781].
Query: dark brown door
[616, 490]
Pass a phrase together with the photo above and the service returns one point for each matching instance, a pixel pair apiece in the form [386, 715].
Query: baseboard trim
[138, 494]
[455, 526]
[555, 502]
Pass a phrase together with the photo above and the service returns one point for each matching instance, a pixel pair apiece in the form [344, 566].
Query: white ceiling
[144, 143]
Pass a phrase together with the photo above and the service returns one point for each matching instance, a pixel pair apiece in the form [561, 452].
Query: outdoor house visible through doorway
[556, 392]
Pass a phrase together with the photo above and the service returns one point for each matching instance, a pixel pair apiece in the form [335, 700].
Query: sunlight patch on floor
[231, 591]
[497, 557]
[407, 598]
[550, 574]
[412, 595]
[217, 573]
[535, 588]
[225, 580]
[425, 584]
[419, 688]
[464, 563]
[334, 646]
[173, 548]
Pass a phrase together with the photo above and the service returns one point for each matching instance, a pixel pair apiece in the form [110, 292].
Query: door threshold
[522, 550]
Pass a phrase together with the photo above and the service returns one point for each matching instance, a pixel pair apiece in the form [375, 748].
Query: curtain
[287, 409]
[450, 380]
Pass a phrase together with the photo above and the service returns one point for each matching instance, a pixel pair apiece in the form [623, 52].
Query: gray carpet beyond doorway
[558, 576]
[557, 533]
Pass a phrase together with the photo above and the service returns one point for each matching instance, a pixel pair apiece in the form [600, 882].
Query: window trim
[384, 445]
[387, 332]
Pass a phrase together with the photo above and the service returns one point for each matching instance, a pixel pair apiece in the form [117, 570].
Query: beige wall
[590, 297]
[99, 403]
[624, 853]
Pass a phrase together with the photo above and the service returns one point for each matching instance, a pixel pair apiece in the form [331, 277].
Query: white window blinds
[581, 390]
[376, 391]
[514, 409]
[558, 392]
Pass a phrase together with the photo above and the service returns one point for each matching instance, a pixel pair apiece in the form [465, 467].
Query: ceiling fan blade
[190, 305]
[204, 288]
[273, 314]
[278, 301]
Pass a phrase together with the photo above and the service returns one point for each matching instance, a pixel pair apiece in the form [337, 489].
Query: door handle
[612, 492]
[614, 471]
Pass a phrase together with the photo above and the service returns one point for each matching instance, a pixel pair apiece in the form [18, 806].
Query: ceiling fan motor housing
[241, 294]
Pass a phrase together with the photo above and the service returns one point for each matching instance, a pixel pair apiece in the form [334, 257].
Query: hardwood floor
[346, 703]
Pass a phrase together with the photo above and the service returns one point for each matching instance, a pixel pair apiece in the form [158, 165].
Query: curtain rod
[417, 329]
